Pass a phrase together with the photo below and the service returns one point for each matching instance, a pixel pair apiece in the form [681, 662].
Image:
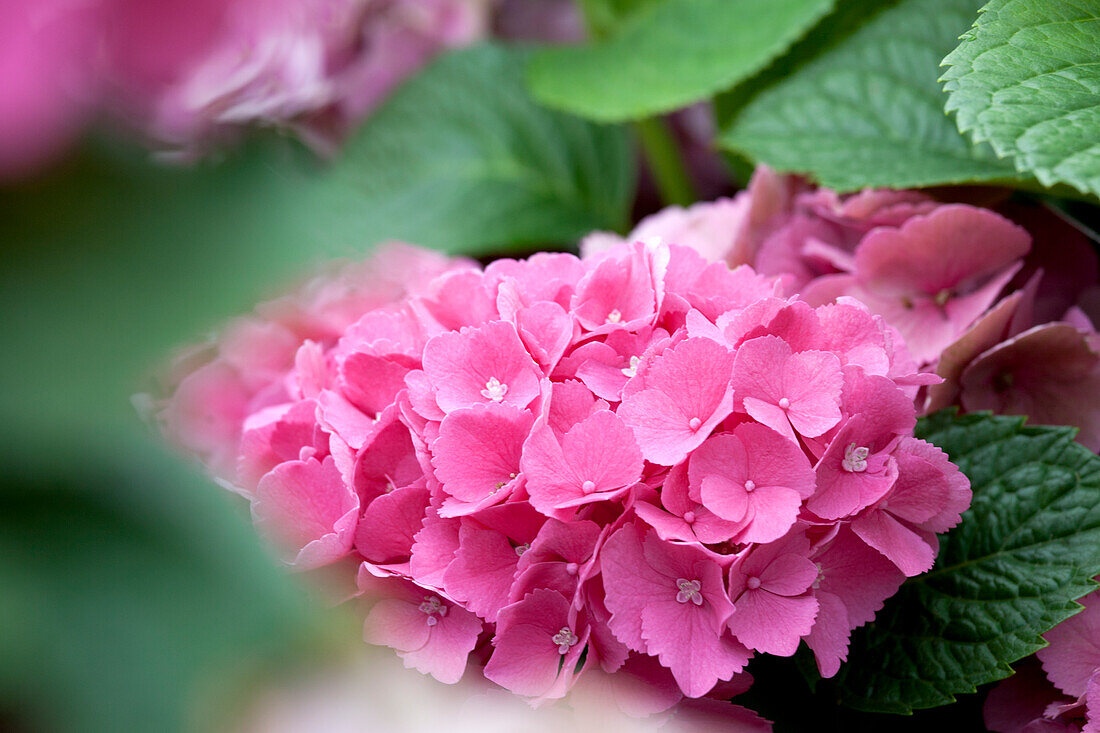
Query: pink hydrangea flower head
[934, 275]
[526, 483]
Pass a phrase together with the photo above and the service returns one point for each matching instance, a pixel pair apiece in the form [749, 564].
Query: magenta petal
[774, 510]
[387, 528]
[449, 645]
[1074, 651]
[904, 547]
[526, 658]
[830, 635]
[690, 648]
[726, 498]
[398, 624]
[687, 394]
[789, 574]
[772, 624]
[306, 508]
[483, 570]
[478, 449]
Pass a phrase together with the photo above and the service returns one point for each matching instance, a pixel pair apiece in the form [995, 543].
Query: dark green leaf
[868, 111]
[1025, 550]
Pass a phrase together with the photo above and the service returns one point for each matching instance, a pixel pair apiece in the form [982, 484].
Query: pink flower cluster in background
[1010, 328]
[637, 463]
[187, 73]
[1067, 698]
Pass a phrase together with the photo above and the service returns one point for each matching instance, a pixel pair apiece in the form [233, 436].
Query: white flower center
[689, 591]
[632, 370]
[614, 316]
[565, 638]
[694, 423]
[588, 487]
[434, 609]
[855, 458]
[784, 403]
[520, 549]
[752, 582]
[494, 390]
[750, 485]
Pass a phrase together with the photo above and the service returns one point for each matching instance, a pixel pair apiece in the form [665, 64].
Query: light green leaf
[669, 55]
[868, 111]
[1026, 549]
[461, 158]
[1026, 78]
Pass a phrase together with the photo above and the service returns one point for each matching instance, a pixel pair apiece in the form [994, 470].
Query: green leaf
[603, 16]
[1026, 549]
[669, 55]
[1027, 79]
[869, 111]
[131, 598]
[461, 158]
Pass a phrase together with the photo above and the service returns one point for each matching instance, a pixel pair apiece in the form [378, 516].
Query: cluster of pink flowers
[1008, 327]
[636, 462]
[1067, 698]
[188, 72]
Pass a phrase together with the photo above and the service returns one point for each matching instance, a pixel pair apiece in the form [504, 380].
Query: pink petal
[449, 646]
[1074, 651]
[525, 658]
[830, 634]
[483, 570]
[461, 366]
[478, 450]
[688, 393]
[690, 648]
[789, 574]
[772, 624]
[386, 530]
[306, 508]
[904, 547]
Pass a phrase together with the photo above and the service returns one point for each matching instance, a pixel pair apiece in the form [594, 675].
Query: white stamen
[565, 638]
[689, 517]
[752, 583]
[614, 316]
[855, 458]
[434, 608]
[494, 390]
[520, 549]
[572, 568]
[689, 591]
[588, 487]
[784, 403]
[694, 423]
[632, 370]
[750, 485]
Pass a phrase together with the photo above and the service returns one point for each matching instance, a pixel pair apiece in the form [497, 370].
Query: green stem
[663, 155]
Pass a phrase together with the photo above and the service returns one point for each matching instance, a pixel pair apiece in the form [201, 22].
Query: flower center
[494, 390]
[520, 549]
[694, 423]
[632, 370]
[752, 583]
[588, 487]
[434, 609]
[565, 638]
[750, 485]
[571, 568]
[689, 517]
[855, 458]
[689, 591]
[614, 316]
[784, 403]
